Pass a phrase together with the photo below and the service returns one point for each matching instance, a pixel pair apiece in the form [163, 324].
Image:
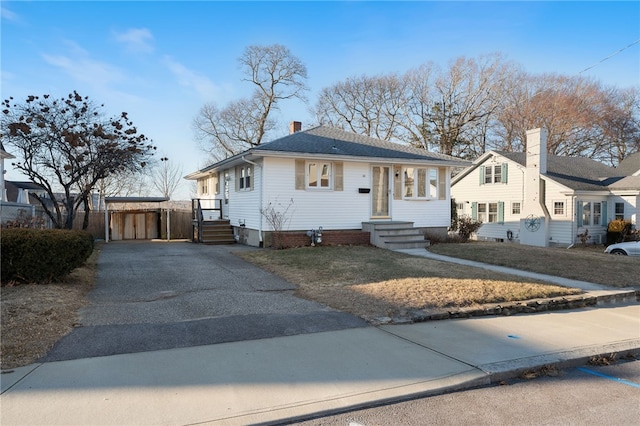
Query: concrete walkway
[565, 282]
[285, 378]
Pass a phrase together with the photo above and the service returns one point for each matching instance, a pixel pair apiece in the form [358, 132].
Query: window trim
[482, 210]
[601, 215]
[319, 174]
[490, 173]
[428, 174]
[618, 215]
[564, 208]
[244, 178]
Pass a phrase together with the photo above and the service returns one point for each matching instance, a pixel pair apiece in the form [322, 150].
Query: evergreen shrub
[42, 255]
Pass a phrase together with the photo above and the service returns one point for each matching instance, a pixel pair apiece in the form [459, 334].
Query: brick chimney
[295, 126]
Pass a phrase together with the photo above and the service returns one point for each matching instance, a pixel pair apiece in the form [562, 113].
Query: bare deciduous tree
[448, 111]
[68, 145]
[368, 106]
[166, 177]
[277, 75]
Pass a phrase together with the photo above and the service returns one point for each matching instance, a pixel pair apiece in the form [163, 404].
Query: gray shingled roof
[577, 173]
[332, 141]
[629, 165]
[325, 140]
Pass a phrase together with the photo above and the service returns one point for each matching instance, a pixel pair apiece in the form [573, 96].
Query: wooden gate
[131, 225]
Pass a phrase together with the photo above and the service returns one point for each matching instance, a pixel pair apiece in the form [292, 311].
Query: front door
[380, 191]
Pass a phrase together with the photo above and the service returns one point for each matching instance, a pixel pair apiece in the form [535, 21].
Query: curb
[513, 308]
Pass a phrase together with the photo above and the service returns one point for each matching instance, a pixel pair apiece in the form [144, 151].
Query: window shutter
[397, 182]
[474, 210]
[500, 212]
[299, 174]
[481, 173]
[442, 183]
[216, 184]
[603, 211]
[338, 184]
[505, 170]
[236, 172]
[252, 177]
[579, 210]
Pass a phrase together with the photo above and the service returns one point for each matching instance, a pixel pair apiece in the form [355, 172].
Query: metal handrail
[198, 215]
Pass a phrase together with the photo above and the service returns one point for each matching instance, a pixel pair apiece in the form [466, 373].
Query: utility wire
[609, 57]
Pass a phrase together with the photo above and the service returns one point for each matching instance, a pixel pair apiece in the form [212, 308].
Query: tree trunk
[87, 210]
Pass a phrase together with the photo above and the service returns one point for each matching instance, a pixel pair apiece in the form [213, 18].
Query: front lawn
[372, 282]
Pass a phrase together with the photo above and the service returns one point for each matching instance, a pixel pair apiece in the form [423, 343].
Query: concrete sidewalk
[285, 378]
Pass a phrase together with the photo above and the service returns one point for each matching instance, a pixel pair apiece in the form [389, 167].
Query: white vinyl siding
[344, 207]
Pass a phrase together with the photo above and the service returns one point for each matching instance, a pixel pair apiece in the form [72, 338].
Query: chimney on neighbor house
[295, 126]
[534, 222]
[537, 150]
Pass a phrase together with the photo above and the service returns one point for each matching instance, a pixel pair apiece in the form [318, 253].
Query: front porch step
[217, 232]
[395, 235]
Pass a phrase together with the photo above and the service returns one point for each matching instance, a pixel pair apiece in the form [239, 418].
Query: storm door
[379, 191]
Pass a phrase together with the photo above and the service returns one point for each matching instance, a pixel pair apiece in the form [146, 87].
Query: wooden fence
[180, 224]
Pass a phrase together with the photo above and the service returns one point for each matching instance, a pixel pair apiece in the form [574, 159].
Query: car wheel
[619, 252]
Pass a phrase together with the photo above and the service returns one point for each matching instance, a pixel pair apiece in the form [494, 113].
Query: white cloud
[9, 15]
[99, 78]
[136, 40]
[85, 69]
[201, 84]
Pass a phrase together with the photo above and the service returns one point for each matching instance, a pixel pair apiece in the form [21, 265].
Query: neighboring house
[3, 155]
[329, 178]
[21, 204]
[541, 200]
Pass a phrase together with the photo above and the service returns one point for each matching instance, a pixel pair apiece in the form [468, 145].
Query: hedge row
[42, 255]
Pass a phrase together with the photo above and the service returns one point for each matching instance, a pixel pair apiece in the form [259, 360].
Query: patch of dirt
[34, 317]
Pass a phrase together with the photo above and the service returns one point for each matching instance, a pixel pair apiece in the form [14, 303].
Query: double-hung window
[421, 183]
[319, 175]
[244, 178]
[619, 211]
[592, 213]
[493, 173]
[488, 212]
[558, 208]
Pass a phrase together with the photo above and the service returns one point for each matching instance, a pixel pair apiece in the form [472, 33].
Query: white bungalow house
[542, 200]
[327, 178]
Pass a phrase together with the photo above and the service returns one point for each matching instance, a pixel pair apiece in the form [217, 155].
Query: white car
[628, 248]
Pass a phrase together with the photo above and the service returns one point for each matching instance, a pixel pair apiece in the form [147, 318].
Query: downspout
[574, 221]
[254, 164]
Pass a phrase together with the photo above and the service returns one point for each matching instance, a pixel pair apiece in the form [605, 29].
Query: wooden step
[217, 232]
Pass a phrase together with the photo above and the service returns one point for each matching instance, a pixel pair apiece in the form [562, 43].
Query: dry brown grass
[371, 282]
[35, 317]
[588, 263]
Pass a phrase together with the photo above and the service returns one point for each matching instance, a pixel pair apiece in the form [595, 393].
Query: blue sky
[162, 60]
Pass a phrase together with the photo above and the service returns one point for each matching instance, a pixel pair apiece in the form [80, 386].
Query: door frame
[385, 188]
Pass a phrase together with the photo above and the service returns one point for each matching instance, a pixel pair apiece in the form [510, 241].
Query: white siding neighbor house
[329, 178]
[542, 200]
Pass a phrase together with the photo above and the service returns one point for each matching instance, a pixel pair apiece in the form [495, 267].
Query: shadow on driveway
[156, 295]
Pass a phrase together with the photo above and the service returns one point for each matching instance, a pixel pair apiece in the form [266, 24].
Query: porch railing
[203, 210]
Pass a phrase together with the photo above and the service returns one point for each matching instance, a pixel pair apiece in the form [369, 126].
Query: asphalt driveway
[157, 295]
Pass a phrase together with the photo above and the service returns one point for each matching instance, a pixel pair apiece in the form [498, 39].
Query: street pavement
[283, 378]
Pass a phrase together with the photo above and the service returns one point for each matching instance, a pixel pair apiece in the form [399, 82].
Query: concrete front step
[394, 235]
